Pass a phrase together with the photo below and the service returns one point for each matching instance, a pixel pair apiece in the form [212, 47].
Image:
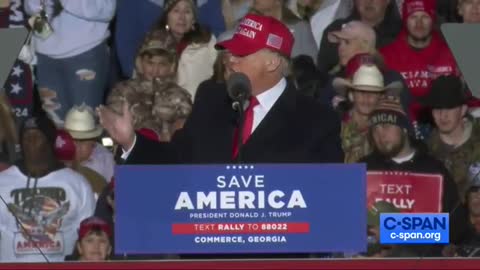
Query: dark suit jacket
[295, 130]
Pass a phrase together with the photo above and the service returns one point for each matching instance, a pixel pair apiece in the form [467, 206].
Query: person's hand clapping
[119, 127]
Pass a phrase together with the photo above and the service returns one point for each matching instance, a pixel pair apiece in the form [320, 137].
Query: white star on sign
[17, 71]
[16, 89]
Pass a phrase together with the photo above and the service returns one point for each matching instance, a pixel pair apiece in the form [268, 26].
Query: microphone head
[239, 87]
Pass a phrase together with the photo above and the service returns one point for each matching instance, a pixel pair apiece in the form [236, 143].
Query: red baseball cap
[256, 32]
[356, 61]
[412, 6]
[64, 146]
[93, 223]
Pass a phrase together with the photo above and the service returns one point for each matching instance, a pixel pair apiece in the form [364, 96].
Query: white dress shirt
[265, 103]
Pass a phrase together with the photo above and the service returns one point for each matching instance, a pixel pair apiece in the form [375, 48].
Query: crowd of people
[332, 81]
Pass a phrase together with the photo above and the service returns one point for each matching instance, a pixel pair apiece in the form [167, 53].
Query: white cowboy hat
[80, 123]
[367, 78]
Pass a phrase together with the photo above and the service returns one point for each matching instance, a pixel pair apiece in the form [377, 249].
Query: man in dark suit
[281, 125]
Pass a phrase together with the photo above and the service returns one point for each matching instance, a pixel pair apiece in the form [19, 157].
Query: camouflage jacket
[155, 105]
[355, 142]
[458, 160]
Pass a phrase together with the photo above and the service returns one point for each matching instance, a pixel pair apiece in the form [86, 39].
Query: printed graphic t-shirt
[48, 214]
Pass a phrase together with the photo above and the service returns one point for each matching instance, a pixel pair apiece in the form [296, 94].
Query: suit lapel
[224, 142]
[274, 121]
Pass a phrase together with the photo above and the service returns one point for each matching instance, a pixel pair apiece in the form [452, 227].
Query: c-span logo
[408, 228]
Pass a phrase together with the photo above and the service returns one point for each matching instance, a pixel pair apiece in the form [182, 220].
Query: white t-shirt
[50, 212]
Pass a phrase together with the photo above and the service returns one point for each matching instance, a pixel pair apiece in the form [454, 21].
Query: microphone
[239, 90]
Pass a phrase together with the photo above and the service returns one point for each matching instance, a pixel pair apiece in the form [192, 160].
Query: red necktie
[247, 125]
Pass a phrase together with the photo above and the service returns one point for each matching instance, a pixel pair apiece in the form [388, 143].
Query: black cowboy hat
[446, 92]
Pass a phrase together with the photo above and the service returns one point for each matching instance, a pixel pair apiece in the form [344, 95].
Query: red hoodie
[419, 67]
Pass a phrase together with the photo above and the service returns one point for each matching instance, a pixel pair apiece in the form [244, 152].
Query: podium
[240, 209]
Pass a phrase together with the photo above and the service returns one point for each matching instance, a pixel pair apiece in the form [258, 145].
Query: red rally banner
[409, 192]
[240, 228]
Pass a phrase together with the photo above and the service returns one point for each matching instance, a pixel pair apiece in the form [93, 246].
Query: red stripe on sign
[240, 228]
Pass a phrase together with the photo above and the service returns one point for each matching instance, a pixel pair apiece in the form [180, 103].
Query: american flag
[19, 85]
[274, 41]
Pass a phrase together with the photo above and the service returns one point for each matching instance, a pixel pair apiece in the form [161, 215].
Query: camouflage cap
[160, 40]
[373, 216]
[171, 102]
[156, 42]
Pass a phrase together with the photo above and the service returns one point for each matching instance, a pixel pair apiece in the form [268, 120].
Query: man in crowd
[363, 92]
[44, 202]
[394, 150]
[272, 133]
[65, 151]
[419, 53]
[81, 125]
[381, 15]
[158, 104]
[456, 139]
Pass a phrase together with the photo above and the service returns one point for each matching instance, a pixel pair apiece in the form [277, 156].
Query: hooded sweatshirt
[41, 213]
[419, 67]
[49, 208]
[79, 27]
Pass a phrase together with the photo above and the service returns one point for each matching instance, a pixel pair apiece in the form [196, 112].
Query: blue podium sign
[195, 209]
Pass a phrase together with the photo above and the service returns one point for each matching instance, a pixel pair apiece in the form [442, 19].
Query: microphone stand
[239, 107]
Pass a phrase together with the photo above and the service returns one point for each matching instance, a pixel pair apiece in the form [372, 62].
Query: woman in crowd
[194, 43]
[70, 39]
